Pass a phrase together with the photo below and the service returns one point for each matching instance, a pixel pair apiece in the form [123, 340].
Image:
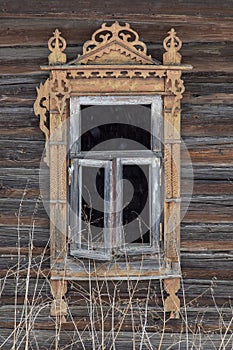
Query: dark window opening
[116, 128]
[92, 205]
[136, 215]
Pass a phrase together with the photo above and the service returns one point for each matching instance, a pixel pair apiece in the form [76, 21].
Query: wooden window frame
[155, 206]
[113, 243]
[116, 64]
[139, 157]
[76, 246]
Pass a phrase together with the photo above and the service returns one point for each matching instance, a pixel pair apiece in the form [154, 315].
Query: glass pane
[115, 127]
[92, 207]
[136, 204]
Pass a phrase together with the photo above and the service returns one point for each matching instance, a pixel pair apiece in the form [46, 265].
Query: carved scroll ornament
[115, 37]
[175, 84]
[60, 89]
[114, 32]
[41, 109]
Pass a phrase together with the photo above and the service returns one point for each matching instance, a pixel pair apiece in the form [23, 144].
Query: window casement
[111, 119]
[110, 226]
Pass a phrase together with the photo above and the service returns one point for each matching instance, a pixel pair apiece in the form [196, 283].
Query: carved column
[59, 92]
[51, 98]
[174, 87]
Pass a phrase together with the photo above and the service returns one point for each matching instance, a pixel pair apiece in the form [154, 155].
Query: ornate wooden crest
[113, 62]
[114, 44]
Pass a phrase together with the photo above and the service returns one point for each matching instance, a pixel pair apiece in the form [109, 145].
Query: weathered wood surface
[204, 28]
[69, 338]
[207, 129]
[29, 58]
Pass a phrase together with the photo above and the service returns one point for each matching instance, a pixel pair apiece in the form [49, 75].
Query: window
[112, 118]
[116, 176]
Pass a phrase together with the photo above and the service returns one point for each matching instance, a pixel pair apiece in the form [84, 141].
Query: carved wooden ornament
[113, 62]
[57, 45]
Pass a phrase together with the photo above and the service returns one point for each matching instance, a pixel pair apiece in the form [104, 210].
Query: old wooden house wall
[207, 129]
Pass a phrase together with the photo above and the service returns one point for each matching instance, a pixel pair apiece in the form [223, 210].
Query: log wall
[205, 28]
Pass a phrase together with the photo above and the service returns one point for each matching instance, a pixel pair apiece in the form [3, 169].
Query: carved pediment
[114, 44]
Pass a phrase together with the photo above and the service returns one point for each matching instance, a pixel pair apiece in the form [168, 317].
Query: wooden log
[17, 117]
[12, 220]
[200, 187]
[16, 90]
[28, 59]
[21, 153]
[206, 151]
[214, 260]
[35, 287]
[23, 207]
[209, 172]
[24, 182]
[151, 25]
[205, 245]
[206, 120]
[12, 263]
[197, 120]
[46, 339]
[154, 321]
[10, 235]
[210, 231]
[212, 154]
[200, 213]
[114, 8]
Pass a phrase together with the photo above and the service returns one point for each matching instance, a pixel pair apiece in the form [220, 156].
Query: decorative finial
[57, 45]
[172, 44]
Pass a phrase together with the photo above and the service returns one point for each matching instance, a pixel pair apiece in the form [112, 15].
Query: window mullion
[155, 200]
[118, 200]
[74, 204]
[108, 194]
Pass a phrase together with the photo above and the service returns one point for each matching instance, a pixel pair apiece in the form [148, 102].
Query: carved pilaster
[174, 85]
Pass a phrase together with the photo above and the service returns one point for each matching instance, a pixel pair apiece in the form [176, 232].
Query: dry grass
[105, 314]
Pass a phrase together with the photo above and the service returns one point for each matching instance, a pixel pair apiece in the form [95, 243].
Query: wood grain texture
[67, 338]
[205, 28]
[29, 58]
[149, 7]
